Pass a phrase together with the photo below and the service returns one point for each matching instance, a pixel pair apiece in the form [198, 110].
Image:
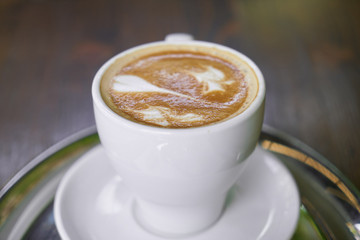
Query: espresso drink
[179, 86]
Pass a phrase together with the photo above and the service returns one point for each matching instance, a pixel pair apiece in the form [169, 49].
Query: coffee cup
[180, 176]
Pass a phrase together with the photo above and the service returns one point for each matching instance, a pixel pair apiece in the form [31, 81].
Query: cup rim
[251, 109]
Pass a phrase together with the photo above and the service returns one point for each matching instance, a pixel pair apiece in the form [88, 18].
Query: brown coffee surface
[179, 88]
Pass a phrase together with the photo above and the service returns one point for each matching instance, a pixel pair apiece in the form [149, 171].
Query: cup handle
[178, 37]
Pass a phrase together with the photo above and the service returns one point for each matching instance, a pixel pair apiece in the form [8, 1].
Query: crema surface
[179, 88]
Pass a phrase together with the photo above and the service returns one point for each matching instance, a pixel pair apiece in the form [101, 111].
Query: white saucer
[92, 203]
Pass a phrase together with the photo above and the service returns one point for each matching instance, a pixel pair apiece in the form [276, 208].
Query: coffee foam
[131, 83]
[134, 86]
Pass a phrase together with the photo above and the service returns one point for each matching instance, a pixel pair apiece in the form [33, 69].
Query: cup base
[177, 221]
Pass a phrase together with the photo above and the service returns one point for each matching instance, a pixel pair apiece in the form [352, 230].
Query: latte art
[179, 89]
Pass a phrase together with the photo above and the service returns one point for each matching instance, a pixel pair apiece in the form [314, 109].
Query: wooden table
[309, 52]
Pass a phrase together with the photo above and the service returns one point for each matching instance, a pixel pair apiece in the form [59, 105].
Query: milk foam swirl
[211, 79]
[178, 90]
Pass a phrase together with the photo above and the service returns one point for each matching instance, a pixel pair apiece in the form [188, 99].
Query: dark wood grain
[308, 52]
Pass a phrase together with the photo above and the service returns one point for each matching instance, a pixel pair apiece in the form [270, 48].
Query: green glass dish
[330, 206]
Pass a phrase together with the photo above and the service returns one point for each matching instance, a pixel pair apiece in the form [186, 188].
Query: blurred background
[308, 51]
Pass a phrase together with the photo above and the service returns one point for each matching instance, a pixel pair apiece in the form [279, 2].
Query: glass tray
[330, 203]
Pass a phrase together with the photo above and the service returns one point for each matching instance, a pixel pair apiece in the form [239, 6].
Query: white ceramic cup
[180, 177]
